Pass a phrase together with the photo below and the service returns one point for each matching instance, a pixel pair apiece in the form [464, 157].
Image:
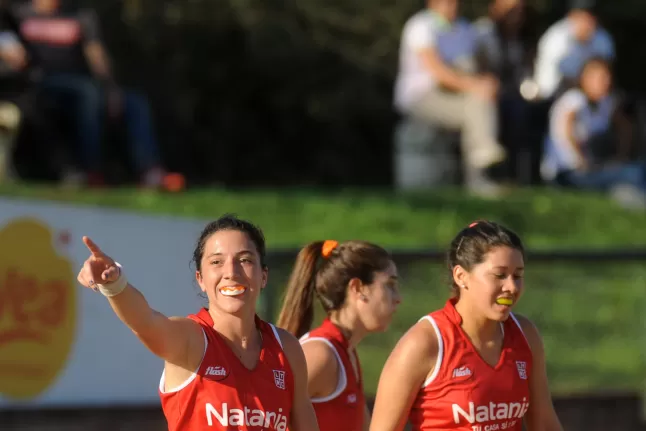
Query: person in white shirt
[567, 45]
[584, 125]
[437, 84]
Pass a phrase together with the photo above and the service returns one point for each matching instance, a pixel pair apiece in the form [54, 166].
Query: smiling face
[231, 272]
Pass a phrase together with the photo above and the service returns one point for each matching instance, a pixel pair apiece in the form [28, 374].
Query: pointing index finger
[94, 249]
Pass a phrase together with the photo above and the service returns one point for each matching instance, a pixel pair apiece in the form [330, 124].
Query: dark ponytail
[297, 314]
[324, 269]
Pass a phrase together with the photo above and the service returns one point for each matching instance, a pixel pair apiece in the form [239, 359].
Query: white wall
[106, 363]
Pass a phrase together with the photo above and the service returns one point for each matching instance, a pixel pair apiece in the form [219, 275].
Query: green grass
[590, 315]
[293, 217]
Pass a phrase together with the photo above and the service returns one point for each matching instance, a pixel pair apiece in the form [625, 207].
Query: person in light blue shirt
[589, 140]
[567, 45]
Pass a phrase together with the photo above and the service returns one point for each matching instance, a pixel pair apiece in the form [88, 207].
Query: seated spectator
[23, 119]
[585, 124]
[437, 84]
[65, 49]
[501, 53]
[9, 123]
[567, 45]
[9, 117]
[500, 50]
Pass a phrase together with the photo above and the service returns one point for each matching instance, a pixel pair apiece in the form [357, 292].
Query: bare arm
[176, 340]
[94, 50]
[541, 415]
[445, 75]
[420, 37]
[322, 369]
[403, 375]
[12, 52]
[172, 339]
[97, 58]
[303, 417]
[323, 373]
[569, 123]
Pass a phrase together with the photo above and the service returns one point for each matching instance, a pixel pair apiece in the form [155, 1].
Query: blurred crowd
[483, 81]
[57, 87]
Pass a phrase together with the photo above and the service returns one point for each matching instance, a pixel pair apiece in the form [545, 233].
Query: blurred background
[398, 122]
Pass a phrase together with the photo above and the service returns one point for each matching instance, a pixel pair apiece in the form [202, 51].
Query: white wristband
[116, 287]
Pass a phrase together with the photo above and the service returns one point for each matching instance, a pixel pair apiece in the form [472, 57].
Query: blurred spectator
[63, 47]
[21, 112]
[589, 139]
[437, 83]
[9, 123]
[566, 46]
[501, 53]
[9, 112]
[500, 49]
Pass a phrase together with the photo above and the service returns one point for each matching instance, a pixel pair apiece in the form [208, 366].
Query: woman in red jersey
[472, 365]
[356, 283]
[224, 367]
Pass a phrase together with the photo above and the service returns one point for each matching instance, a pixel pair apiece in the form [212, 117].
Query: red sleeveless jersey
[343, 409]
[466, 393]
[223, 395]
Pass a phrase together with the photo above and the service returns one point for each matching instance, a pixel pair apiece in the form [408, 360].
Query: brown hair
[230, 222]
[471, 245]
[328, 277]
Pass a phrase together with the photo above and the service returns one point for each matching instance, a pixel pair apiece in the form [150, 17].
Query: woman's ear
[460, 276]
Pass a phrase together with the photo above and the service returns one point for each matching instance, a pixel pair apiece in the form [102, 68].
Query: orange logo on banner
[37, 309]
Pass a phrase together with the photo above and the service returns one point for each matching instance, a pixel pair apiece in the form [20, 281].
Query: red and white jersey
[343, 409]
[466, 393]
[222, 394]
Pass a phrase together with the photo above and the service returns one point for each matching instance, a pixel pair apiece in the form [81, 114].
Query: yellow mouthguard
[505, 301]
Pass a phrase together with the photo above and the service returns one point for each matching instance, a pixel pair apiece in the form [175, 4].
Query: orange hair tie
[473, 224]
[328, 246]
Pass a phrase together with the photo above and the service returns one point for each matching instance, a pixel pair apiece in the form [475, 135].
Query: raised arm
[404, 373]
[177, 340]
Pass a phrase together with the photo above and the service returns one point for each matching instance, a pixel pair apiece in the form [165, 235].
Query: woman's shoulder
[419, 345]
